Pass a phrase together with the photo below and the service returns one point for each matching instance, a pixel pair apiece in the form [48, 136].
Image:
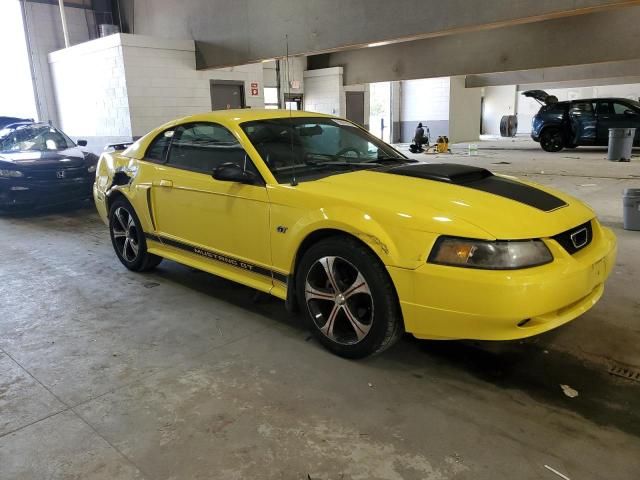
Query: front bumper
[27, 193]
[440, 302]
[100, 200]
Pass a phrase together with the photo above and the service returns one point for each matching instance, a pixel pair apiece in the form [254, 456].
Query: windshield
[635, 104]
[310, 148]
[33, 138]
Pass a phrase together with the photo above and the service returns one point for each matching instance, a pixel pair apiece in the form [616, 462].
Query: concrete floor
[175, 374]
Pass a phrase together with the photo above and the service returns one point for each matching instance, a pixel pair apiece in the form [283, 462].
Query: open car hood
[541, 96]
[4, 121]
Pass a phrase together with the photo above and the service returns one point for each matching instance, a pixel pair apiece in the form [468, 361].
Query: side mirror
[629, 112]
[82, 143]
[232, 172]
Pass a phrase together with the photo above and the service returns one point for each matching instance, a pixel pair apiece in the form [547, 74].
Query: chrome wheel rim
[125, 234]
[339, 300]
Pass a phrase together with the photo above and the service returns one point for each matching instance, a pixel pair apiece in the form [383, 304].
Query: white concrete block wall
[464, 111]
[91, 92]
[526, 108]
[427, 101]
[270, 73]
[324, 91]
[498, 101]
[396, 108]
[163, 83]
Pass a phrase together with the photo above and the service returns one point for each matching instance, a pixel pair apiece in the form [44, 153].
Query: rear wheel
[128, 238]
[348, 299]
[552, 140]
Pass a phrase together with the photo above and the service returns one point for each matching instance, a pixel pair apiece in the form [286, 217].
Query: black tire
[127, 238]
[373, 307]
[552, 140]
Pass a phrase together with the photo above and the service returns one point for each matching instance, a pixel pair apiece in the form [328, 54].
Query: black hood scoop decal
[483, 180]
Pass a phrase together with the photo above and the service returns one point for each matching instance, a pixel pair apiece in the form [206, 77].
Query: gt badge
[61, 174]
[281, 229]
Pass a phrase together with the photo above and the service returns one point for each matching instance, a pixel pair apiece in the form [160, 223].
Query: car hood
[68, 158]
[499, 206]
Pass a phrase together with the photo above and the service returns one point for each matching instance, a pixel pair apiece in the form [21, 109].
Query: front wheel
[552, 140]
[348, 300]
[128, 238]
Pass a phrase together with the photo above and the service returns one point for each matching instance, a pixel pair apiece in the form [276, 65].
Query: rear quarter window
[556, 108]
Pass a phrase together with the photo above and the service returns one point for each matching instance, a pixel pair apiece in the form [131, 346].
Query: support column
[464, 111]
[63, 18]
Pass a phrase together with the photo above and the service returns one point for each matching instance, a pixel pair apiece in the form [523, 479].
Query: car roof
[606, 99]
[247, 115]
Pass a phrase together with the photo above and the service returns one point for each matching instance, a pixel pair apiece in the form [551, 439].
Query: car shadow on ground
[76, 209]
[527, 365]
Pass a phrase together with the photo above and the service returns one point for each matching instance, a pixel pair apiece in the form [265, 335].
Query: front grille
[56, 174]
[575, 239]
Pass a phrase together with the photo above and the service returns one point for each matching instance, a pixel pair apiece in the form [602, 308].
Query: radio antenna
[294, 180]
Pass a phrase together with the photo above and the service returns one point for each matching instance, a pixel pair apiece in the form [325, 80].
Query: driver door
[617, 115]
[582, 116]
[220, 222]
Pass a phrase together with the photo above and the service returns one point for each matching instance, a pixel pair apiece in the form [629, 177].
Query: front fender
[114, 173]
[397, 247]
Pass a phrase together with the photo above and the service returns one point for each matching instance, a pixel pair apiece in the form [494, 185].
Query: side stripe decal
[219, 257]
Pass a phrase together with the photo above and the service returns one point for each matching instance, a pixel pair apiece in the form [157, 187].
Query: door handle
[166, 183]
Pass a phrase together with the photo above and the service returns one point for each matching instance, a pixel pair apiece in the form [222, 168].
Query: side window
[582, 108]
[203, 147]
[158, 148]
[604, 108]
[620, 108]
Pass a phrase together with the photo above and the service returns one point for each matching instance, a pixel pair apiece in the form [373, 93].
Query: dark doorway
[226, 94]
[292, 101]
[355, 107]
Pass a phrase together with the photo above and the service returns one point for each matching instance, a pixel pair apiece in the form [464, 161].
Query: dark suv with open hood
[581, 122]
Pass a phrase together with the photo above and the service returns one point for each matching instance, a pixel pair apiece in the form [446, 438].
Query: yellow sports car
[365, 242]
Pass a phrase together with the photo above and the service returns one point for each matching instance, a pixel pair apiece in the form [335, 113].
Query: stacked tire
[508, 126]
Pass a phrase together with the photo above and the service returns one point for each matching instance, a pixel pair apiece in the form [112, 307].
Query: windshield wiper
[350, 165]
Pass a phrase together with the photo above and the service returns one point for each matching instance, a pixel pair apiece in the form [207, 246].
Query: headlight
[10, 173]
[498, 255]
[91, 169]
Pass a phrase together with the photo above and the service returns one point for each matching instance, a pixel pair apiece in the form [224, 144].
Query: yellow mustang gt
[367, 243]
